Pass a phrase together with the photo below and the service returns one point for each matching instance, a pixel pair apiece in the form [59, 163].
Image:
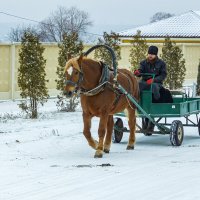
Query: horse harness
[104, 80]
[105, 76]
[103, 83]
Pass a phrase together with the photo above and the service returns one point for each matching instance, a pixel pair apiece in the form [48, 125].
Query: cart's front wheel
[118, 134]
[176, 133]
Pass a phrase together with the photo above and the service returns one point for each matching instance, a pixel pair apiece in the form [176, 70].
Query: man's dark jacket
[158, 68]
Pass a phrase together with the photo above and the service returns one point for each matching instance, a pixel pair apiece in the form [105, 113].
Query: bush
[70, 47]
[173, 57]
[112, 40]
[31, 74]
[138, 51]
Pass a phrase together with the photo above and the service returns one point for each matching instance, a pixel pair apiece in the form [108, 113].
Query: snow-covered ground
[49, 159]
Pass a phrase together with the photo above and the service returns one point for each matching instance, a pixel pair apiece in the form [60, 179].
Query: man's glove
[149, 81]
[137, 72]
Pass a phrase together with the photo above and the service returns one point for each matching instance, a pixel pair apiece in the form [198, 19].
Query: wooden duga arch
[100, 97]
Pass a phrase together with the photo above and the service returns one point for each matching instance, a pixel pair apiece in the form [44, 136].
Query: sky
[105, 14]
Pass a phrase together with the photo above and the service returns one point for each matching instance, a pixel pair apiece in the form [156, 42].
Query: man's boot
[145, 122]
[150, 127]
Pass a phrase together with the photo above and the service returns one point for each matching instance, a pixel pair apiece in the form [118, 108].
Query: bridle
[72, 83]
[68, 82]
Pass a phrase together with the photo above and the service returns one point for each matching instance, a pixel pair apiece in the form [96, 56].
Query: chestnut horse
[101, 98]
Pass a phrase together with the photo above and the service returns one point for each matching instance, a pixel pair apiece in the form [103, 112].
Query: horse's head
[73, 76]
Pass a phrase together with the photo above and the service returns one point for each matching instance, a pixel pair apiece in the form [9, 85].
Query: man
[156, 66]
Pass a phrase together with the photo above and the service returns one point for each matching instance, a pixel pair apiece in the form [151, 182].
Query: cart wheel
[199, 126]
[117, 136]
[176, 133]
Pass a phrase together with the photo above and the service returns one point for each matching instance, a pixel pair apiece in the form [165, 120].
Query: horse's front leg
[101, 133]
[86, 131]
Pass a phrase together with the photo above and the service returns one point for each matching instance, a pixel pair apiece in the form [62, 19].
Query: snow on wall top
[184, 25]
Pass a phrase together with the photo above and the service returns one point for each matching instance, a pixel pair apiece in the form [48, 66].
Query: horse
[101, 98]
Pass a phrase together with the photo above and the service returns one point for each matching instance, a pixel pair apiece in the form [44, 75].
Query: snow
[49, 158]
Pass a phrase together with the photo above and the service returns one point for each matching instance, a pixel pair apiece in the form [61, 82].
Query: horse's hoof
[129, 147]
[98, 154]
[106, 150]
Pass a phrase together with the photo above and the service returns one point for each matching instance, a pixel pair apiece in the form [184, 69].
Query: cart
[182, 106]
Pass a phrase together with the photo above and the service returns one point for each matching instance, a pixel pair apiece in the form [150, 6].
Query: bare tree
[16, 34]
[159, 16]
[63, 21]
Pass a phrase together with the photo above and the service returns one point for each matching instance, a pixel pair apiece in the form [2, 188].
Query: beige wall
[192, 57]
[9, 64]
[5, 71]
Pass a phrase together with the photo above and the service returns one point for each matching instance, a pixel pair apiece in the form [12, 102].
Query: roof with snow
[186, 25]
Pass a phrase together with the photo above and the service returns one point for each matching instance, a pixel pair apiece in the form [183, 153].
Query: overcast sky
[102, 12]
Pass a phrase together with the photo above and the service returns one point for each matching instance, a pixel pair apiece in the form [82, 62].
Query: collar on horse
[105, 77]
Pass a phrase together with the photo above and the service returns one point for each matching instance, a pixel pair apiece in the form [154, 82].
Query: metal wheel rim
[179, 133]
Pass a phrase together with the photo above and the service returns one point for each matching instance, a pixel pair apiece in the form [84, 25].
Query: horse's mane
[76, 61]
[72, 62]
[86, 59]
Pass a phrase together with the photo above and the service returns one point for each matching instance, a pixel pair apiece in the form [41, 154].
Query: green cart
[182, 106]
